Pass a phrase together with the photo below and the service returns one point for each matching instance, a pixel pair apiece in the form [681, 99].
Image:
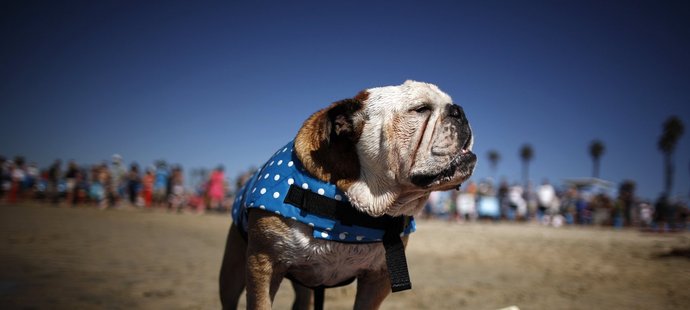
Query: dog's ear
[326, 143]
[339, 122]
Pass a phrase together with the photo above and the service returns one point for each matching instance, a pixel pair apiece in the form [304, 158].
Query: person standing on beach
[625, 205]
[133, 183]
[99, 183]
[517, 203]
[160, 187]
[467, 202]
[503, 198]
[31, 179]
[147, 187]
[118, 181]
[216, 188]
[17, 176]
[54, 174]
[176, 198]
[70, 180]
[545, 199]
[4, 177]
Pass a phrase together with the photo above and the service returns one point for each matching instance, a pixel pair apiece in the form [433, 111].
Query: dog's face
[418, 134]
[389, 147]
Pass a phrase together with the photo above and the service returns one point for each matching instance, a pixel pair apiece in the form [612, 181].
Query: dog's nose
[457, 116]
[455, 111]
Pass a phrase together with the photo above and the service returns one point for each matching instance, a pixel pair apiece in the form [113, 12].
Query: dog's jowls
[387, 149]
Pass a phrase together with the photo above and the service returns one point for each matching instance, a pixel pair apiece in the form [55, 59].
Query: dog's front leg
[264, 271]
[263, 280]
[372, 289]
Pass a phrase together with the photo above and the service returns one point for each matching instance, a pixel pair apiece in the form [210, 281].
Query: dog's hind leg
[233, 270]
[302, 296]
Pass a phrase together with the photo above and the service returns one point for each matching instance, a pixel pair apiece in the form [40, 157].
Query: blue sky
[211, 83]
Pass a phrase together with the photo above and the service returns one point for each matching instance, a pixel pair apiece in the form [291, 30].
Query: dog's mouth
[458, 170]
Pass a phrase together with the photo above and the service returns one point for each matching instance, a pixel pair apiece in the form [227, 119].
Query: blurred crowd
[580, 202]
[112, 184]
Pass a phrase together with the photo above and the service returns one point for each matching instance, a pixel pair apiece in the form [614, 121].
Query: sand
[83, 258]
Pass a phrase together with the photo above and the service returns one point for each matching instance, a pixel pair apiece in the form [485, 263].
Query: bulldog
[336, 203]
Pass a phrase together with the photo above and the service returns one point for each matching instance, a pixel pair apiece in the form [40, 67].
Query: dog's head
[389, 147]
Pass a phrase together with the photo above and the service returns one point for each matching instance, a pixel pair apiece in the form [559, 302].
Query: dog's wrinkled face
[416, 130]
[389, 147]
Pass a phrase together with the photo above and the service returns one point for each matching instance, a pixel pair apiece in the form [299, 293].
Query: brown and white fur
[387, 148]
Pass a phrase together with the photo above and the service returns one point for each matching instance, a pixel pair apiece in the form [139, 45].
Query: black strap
[310, 202]
[395, 259]
[319, 295]
[346, 214]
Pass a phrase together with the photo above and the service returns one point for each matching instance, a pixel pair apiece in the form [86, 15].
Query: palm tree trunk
[595, 168]
[525, 172]
[668, 181]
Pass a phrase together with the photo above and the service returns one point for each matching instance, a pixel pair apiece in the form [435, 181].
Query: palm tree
[494, 158]
[596, 149]
[526, 154]
[673, 129]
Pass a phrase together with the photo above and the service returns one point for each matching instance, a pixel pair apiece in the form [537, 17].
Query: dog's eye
[422, 109]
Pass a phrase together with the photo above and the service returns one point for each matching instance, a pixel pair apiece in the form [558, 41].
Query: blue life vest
[268, 187]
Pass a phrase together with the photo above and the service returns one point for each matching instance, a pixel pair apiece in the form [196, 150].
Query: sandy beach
[84, 258]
